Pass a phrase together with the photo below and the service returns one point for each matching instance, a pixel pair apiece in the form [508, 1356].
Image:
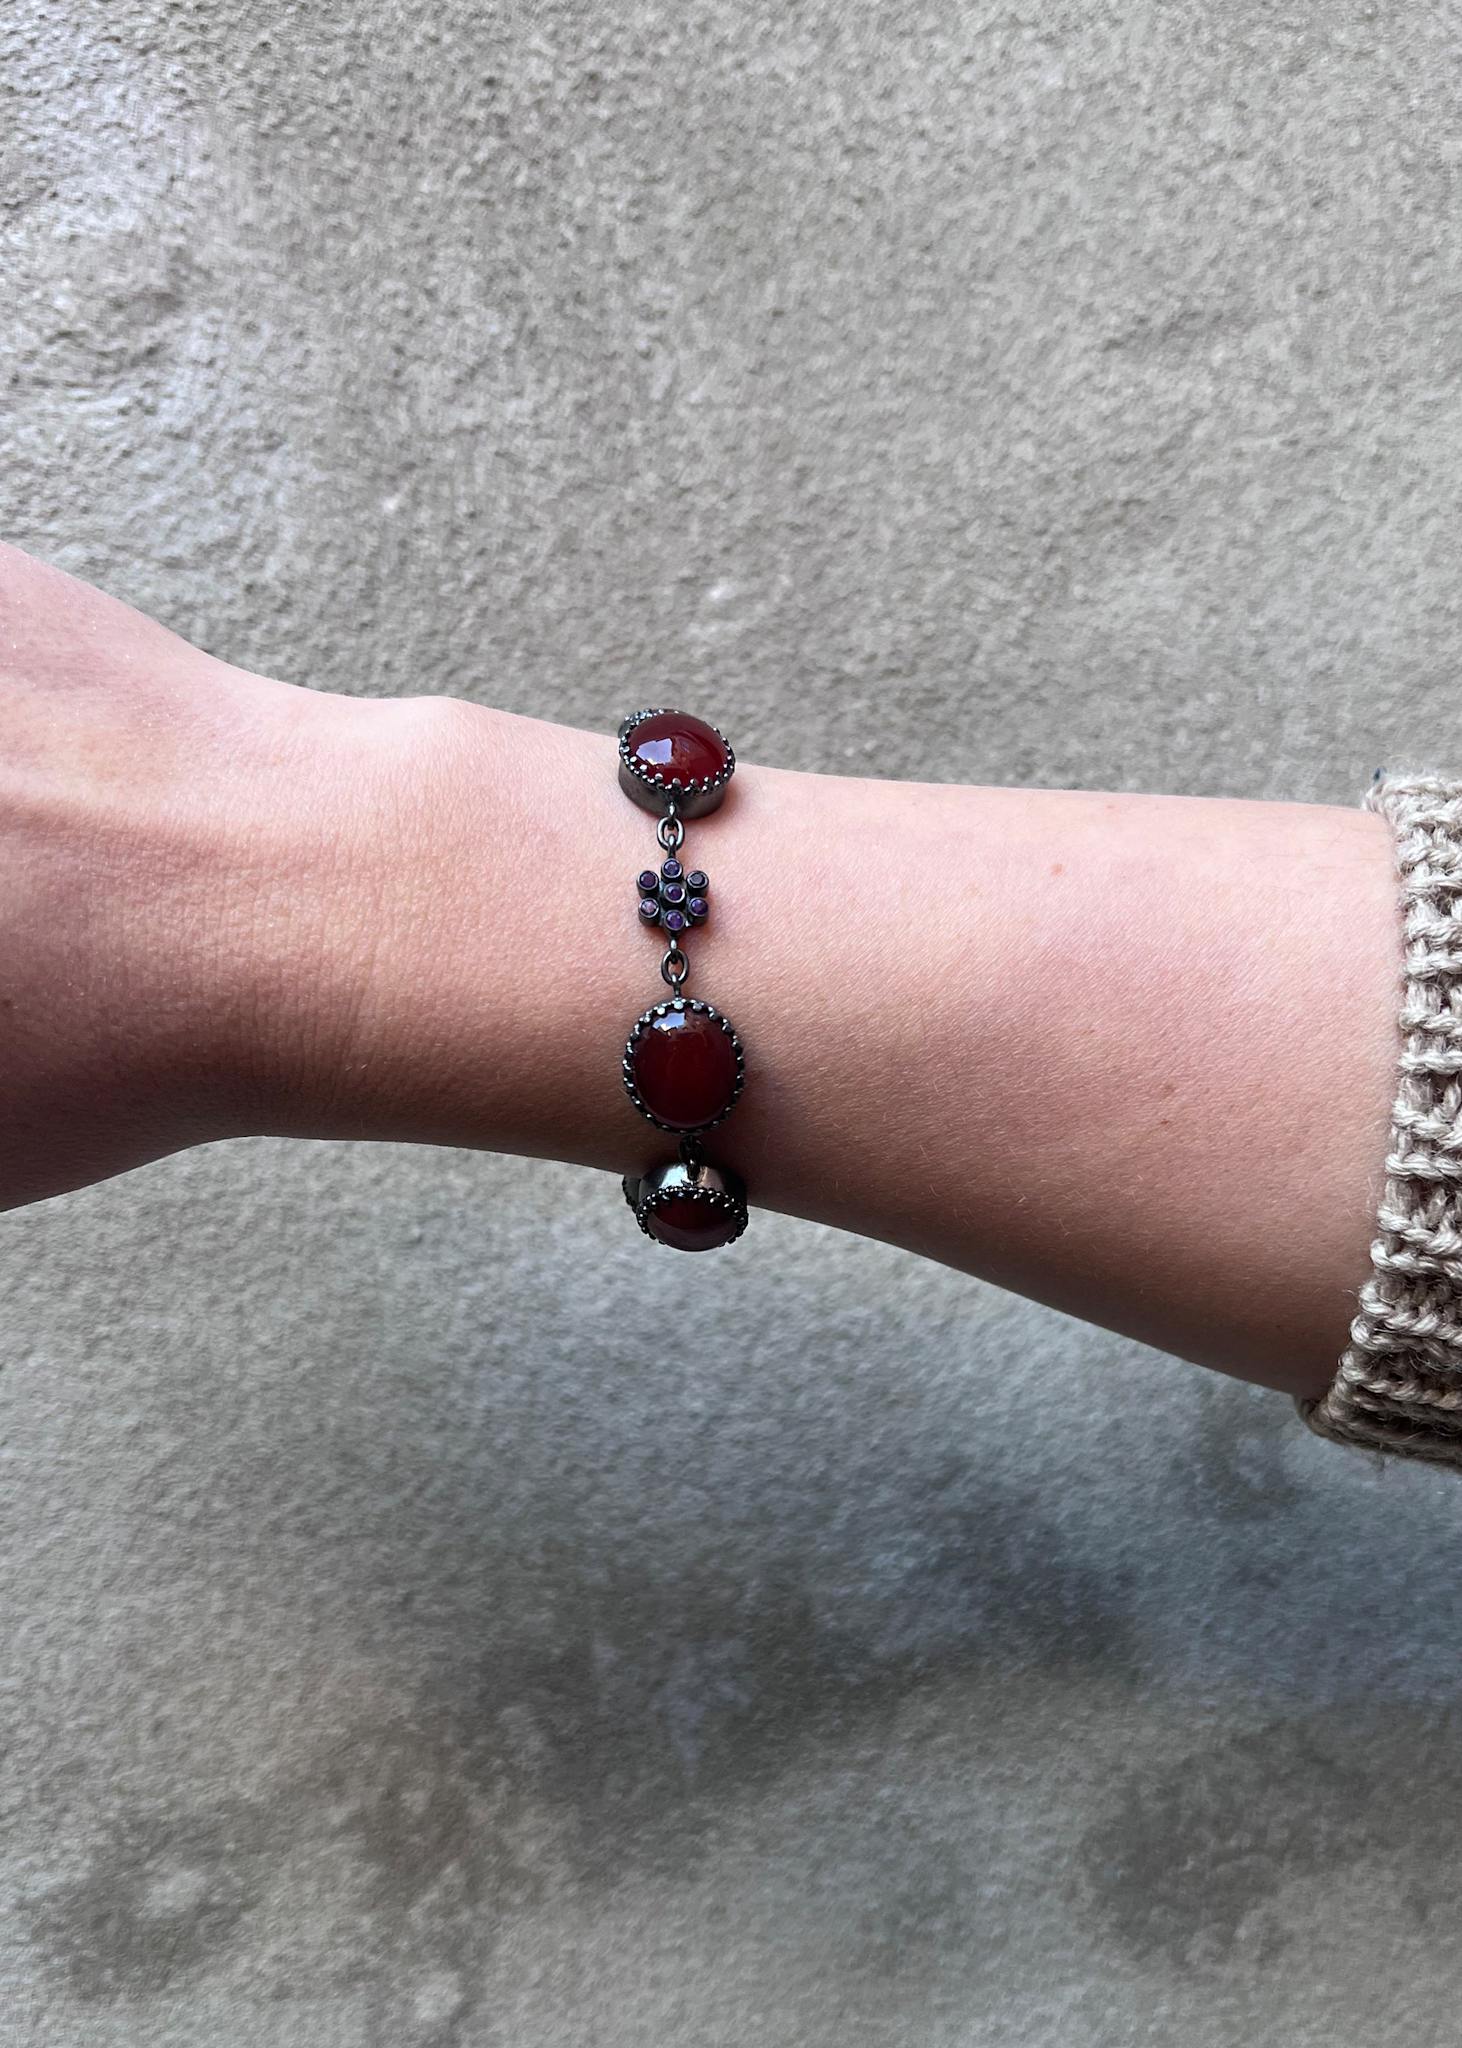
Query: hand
[150, 808]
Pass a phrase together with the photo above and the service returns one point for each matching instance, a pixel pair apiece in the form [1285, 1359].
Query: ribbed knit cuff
[1399, 1384]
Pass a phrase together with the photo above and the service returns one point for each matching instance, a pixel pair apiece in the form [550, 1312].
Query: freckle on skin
[1058, 868]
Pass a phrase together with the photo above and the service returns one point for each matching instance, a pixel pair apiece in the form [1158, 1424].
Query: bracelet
[683, 1065]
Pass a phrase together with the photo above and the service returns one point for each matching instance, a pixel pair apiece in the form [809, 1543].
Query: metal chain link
[675, 966]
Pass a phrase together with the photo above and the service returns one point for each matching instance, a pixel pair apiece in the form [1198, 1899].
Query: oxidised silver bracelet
[684, 1068]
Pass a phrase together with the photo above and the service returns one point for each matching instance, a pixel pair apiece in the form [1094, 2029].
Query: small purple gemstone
[649, 909]
[697, 882]
[697, 906]
[648, 881]
[674, 922]
[670, 869]
[674, 892]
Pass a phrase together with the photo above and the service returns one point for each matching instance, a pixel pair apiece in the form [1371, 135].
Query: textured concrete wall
[404, 1643]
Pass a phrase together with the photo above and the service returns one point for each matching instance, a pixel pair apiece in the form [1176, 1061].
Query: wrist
[420, 952]
[324, 859]
[470, 968]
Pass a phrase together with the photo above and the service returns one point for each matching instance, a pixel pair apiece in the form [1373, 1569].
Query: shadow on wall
[611, 1708]
[602, 1728]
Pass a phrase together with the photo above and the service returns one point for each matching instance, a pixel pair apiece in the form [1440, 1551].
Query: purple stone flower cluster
[672, 899]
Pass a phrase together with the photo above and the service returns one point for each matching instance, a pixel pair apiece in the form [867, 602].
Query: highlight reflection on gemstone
[677, 746]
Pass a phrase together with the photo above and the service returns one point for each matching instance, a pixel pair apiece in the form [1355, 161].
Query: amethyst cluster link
[672, 898]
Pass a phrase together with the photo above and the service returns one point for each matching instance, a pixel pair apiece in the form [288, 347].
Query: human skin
[1132, 1056]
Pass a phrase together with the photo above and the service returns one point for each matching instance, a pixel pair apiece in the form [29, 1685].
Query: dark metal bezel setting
[644, 1192]
[717, 1197]
[642, 1024]
[693, 799]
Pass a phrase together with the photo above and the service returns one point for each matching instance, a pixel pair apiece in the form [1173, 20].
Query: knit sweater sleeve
[1398, 1387]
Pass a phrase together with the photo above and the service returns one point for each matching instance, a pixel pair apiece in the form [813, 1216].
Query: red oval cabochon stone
[684, 1067]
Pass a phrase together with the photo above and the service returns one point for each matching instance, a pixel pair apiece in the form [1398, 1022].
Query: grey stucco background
[404, 1643]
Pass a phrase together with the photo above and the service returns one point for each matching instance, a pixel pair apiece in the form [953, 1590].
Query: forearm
[1132, 1056]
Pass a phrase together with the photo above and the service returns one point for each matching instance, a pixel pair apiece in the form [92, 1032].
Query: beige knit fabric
[1399, 1385]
